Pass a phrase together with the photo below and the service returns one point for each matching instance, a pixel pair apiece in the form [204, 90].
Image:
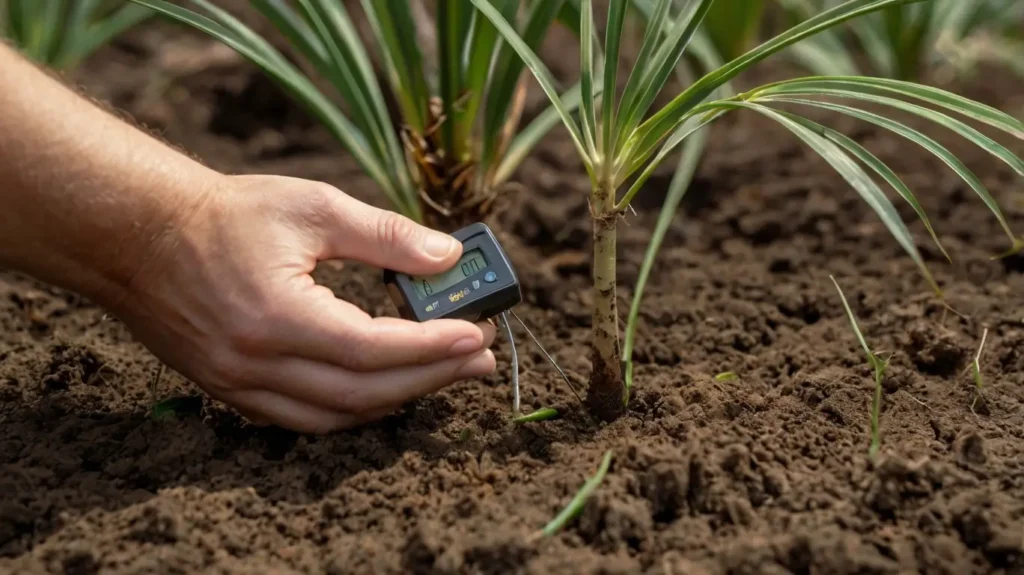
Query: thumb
[386, 239]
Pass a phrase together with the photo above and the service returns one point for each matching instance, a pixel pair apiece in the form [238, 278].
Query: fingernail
[480, 365]
[439, 245]
[464, 346]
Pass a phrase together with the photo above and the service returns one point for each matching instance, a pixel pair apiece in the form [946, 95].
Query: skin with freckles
[212, 272]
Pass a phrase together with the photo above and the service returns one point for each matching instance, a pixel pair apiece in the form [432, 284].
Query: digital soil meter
[481, 285]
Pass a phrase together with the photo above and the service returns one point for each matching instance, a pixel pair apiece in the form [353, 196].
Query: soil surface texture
[765, 471]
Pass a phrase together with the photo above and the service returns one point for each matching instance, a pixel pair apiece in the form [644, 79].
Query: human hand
[227, 300]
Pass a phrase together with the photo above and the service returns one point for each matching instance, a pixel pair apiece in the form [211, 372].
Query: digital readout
[470, 263]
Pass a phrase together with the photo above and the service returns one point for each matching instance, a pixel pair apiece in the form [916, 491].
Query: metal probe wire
[547, 355]
[503, 322]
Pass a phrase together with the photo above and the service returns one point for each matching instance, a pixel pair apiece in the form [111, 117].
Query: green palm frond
[908, 42]
[63, 33]
[633, 142]
[457, 139]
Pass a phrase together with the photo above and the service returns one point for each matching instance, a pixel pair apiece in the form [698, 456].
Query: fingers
[334, 389]
[324, 328]
[385, 239]
[265, 407]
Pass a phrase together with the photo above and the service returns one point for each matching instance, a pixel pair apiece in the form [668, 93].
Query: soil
[764, 472]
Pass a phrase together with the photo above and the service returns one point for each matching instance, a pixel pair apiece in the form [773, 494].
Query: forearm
[84, 197]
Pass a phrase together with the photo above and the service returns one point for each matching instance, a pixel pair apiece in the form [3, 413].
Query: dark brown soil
[766, 473]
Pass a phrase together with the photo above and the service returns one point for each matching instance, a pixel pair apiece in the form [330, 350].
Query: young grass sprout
[575, 507]
[620, 143]
[62, 33]
[457, 141]
[878, 365]
[542, 414]
[975, 368]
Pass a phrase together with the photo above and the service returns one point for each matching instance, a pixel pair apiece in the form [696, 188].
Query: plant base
[605, 395]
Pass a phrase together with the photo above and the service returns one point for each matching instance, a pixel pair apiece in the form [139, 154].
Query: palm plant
[456, 141]
[62, 33]
[619, 141]
[907, 42]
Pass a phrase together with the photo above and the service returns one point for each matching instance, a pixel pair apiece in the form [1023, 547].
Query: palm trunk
[605, 396]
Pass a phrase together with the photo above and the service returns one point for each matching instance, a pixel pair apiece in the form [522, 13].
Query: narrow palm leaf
[508, 67]
[540, 72]
[589, 119]
[665, 61]
[964, 130]
[528, 138]
[948, 100]
[693, 149]
[851, 172]
[644, 141]
[46, 29]
[297, 31]
[395, 30]
[880, 168]
[299, 87]
[339, 36]
[449, 23]
[80, 16]
[652, 40]
[732, 25]
[927, 143]
[482, 47]
[613, 37]
[83, 45]
[678, 137]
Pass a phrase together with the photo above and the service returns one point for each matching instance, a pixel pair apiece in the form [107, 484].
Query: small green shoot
[975, 367]
[575, 506]
[165, 409]
[727, 376]
[542, 414]
[878, 364]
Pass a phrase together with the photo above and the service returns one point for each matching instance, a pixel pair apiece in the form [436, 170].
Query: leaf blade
[851, 172]
[948, 100]
[929, 144]
[540, 72]
[589, 119]
[664, 121]
[665, 60]
[613, 37]
[297, 86]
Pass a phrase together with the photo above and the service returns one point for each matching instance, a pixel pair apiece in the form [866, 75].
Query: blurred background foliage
[936, 41]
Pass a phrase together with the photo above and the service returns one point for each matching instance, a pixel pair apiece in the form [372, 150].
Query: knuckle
[364, 350]
[249, 332]
[395, 229]
[322, 202]
[227, 369]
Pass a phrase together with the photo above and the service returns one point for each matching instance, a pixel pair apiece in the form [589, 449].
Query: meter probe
[482, 285]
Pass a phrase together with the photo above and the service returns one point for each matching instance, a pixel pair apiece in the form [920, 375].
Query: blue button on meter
[457, 293]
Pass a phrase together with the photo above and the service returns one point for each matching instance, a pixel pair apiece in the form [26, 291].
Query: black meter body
[481, 285]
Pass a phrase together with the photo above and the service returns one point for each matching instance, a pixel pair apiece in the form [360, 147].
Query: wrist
[151, 244]
[87, 201]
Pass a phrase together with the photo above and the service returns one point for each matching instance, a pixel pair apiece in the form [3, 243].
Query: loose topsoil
[764, 472]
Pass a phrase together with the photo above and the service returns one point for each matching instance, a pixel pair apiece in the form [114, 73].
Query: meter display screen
[470, 263]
